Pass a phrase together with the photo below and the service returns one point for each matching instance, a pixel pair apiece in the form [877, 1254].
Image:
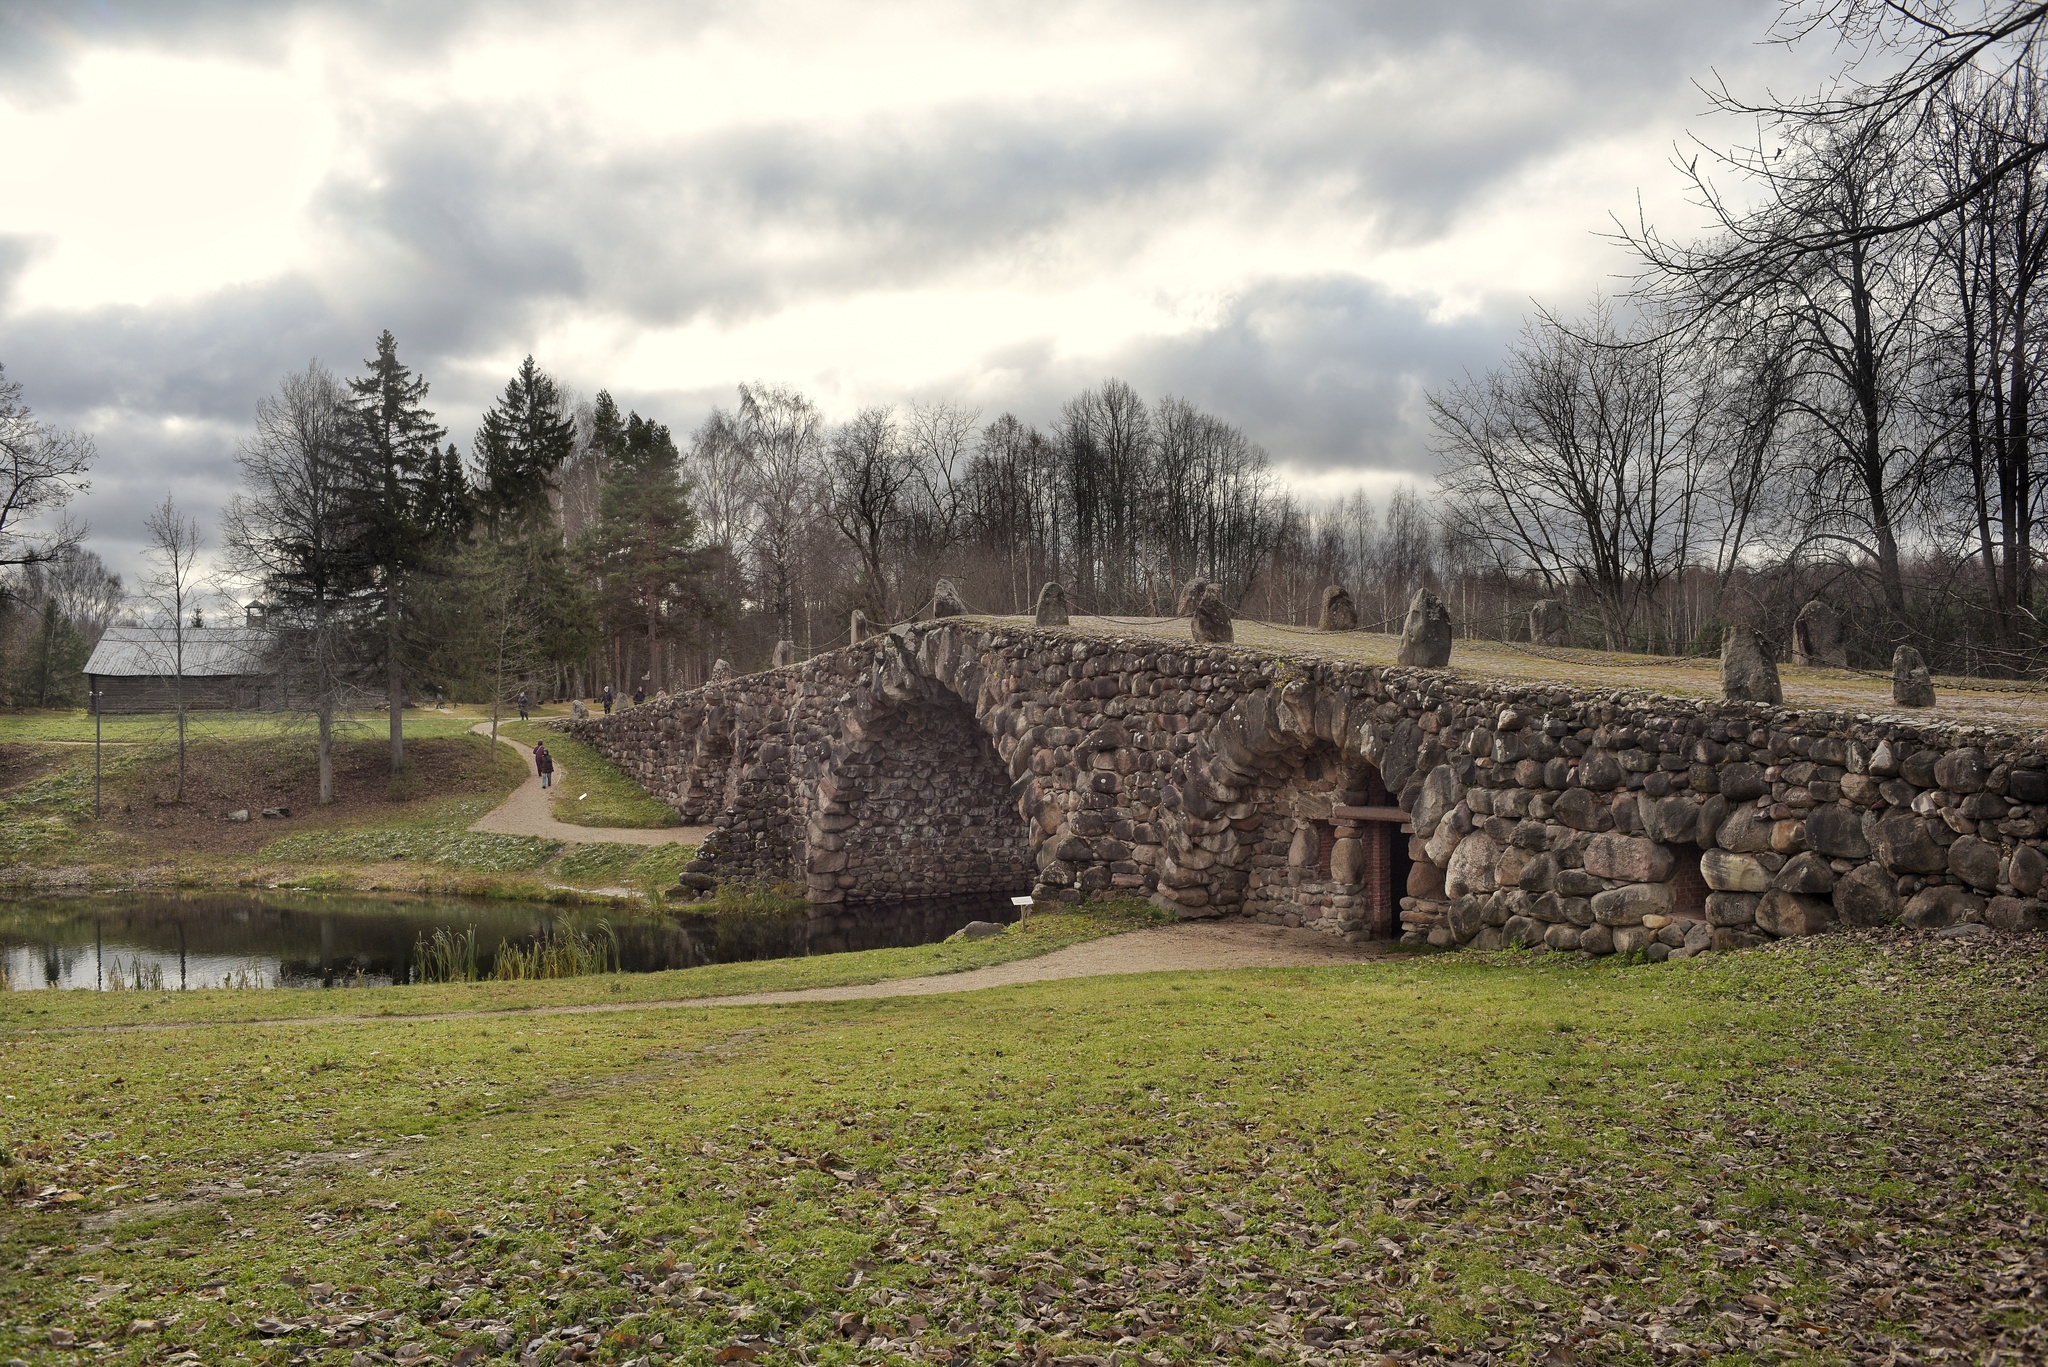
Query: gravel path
[1183, 947]
[529, 810]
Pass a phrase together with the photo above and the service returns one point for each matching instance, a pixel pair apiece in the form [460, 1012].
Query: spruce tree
[397, 463]
[524, 440]
[447, 507]
[643, 548]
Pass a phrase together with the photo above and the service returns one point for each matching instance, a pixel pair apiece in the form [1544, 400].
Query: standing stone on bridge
[785, 654]
[1338, 614]
[1748, 674]
[1549, 624]
[946, 600]
[1426, 634]
[1052, 604]
[1912, 685]
[858, 627]
[1210, 621]
[721, 670]
[1817, 637]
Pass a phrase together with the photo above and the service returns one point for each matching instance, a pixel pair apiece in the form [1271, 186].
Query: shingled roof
[148, 653]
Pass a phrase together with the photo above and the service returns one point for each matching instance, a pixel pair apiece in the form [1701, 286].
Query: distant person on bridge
[544, 764]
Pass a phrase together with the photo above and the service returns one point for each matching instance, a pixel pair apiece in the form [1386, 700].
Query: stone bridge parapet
[961, 756]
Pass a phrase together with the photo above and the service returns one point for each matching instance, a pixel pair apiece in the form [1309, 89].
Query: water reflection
[307, 940]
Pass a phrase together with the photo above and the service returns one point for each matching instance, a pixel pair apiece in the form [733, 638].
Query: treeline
[578, 547]
[1836, 393]
[1120, 501]
[55, 596]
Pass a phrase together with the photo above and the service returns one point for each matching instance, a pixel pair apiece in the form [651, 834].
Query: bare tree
[938, 442]
[292, 532]
[1579, 461]
[41, 467]
[86, 592]
[1908, 59]
[867, 470]
[783, 435]
[717, 468]
[581, 478]
[1986, 343]
[1013, 506]
[171, 588]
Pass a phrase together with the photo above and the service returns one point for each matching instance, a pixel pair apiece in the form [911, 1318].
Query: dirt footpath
[1182, 947]
[1185, 946]
[530, 811]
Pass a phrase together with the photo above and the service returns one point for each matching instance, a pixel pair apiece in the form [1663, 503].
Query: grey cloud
[496, 224]
[1324, 373]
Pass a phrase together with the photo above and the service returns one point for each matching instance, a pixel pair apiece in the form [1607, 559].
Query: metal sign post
[96, 754]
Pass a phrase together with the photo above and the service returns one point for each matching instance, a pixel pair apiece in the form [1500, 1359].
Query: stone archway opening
[1688, 883]
[1328, 849]
[914, 806]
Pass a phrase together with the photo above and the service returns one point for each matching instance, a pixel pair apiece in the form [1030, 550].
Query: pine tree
[524, 439]
[643, 548]
[396, 464]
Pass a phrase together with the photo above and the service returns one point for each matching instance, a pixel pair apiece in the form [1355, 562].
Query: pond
[283, 939]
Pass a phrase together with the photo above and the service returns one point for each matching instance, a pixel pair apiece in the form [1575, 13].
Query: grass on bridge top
[2019, 708]
[1811, 1153]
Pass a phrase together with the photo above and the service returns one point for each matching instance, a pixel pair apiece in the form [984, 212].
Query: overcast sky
[1300, 216]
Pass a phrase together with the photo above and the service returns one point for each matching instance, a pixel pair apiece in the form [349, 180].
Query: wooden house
[137, 669]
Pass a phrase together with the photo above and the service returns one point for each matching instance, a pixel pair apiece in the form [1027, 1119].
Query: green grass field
[411, 835]
[1816, 1153]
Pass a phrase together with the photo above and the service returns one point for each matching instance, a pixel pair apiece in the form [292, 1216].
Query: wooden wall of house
[238, 693]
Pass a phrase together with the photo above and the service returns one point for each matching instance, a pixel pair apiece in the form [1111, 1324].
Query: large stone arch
[910, 799]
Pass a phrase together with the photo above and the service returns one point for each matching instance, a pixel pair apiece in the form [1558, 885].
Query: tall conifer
[644, 546]
[396, 482]
[524, 440]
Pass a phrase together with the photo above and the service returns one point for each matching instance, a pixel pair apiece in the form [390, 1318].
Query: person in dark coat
[544, 764]
[640, 695]
[607, 700]
[522, 705]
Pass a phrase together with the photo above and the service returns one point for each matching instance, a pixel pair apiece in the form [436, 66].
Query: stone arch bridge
[962, 756]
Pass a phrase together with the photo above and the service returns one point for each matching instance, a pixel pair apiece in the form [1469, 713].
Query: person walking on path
[544, 764]
[522, 705]
[607, 700]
